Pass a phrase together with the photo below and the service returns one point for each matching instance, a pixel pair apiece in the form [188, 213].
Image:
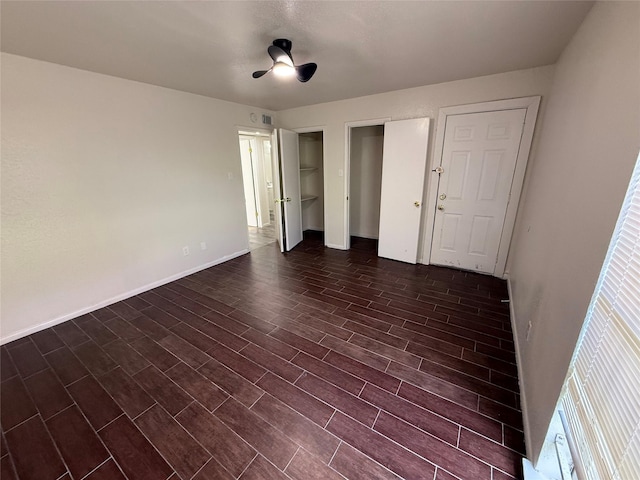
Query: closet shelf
[308, 197]
[308, 169]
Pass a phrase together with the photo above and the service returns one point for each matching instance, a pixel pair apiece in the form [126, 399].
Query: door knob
[417, 204]
[443, 196]
[440, 207]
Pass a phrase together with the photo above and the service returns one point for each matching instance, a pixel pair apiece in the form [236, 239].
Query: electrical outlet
[203, 245]
[185, 251]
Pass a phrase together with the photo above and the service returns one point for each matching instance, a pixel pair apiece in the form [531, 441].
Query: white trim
[523, 391]
[347, 168]
[320, 128]
[251, 130]
[532, 105]
[337, 247]
[118, 298]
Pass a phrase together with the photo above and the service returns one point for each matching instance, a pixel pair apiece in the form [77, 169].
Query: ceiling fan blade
[306, 71]
[260, 73]
[277, 54]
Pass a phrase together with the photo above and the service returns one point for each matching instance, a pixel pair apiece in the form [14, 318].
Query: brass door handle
[441, 207]
[417, 204]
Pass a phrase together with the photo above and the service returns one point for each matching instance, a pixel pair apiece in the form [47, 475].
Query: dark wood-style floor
[314, 365]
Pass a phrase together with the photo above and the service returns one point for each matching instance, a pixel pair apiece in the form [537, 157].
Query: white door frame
[374, 122]
[254, 131]
[532, 105]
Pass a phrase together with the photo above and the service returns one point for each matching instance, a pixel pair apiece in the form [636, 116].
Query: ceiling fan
[280, 53]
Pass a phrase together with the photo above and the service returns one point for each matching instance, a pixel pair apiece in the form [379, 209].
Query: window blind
[602, 393]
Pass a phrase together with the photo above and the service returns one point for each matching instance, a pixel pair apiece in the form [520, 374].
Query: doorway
[365, 183]
[386, 166]
[298, 180]
[311, 153]
[257, 178]
[364, 141]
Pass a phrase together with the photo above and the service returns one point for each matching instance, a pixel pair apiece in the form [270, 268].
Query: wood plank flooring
[316, 364]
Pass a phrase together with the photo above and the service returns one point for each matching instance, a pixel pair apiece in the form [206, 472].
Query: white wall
[104, 181]
[575, 186]
[410, 103]
[365, 181]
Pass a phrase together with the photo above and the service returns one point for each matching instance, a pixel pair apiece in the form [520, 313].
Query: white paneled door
[404, 157]
[478, 164]
[290, 200]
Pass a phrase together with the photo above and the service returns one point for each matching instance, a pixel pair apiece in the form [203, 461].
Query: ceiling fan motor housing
[282, 46]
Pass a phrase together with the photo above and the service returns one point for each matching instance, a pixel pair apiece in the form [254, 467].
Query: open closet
[386, 167]
[299, 186]
[365, 181]
[311, 181]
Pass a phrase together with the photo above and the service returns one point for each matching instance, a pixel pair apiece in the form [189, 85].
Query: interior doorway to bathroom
[257, 179]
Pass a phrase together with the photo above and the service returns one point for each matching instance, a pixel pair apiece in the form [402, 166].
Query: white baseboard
[523, 396]
[117, 298]
[337, 247]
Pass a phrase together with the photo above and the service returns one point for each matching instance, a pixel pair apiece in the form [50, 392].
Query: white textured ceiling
[361, 48]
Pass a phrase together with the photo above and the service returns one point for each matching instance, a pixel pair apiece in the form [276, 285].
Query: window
[602, 392]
